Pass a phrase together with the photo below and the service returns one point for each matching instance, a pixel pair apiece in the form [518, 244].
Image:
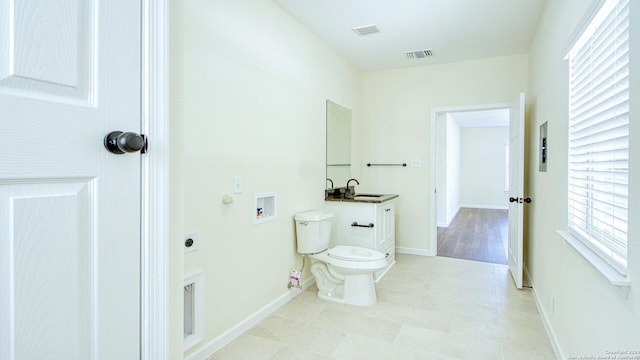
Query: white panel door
[516, 188]
[69, 210]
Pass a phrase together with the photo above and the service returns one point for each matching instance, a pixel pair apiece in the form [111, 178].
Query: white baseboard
[412, 251]
[545, 320]
[493, 207]
[450, 219]
[231, 334]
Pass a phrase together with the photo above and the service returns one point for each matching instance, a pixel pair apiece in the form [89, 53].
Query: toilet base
[356, 289]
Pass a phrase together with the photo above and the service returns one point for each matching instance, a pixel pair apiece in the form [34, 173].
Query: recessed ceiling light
[366, 29]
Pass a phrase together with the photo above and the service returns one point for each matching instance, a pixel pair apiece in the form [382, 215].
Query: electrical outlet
[191, 242]
[415, 162]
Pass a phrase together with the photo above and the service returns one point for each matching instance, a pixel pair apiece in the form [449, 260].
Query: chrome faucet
[347, 191]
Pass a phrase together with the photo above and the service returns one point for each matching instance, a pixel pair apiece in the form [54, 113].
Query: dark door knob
[118, 142]
[512, 199]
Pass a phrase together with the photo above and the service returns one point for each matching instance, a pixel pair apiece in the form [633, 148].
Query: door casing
[155, 336]
[433, 228]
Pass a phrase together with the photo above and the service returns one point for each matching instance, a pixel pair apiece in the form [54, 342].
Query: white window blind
[599, 134]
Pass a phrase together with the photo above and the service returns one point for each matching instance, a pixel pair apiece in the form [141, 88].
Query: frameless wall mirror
[338, 145]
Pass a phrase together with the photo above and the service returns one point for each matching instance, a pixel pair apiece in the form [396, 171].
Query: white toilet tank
[313, 231]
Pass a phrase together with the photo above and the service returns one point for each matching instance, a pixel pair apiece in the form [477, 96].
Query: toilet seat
[354, 253]
[352, 258]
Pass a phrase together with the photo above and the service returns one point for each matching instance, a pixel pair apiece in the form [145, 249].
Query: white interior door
[69, 210]
[516, 188]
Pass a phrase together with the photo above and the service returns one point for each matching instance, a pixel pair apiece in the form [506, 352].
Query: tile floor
[428, 308]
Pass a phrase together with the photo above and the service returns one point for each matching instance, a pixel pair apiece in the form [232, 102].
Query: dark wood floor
[475, 234]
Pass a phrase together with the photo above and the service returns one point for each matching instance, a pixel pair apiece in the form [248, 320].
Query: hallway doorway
[472, 184]
[513, 172]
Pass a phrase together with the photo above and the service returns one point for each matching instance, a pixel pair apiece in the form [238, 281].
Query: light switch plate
[237, 184]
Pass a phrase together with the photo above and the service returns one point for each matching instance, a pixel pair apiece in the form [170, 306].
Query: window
[599, 134]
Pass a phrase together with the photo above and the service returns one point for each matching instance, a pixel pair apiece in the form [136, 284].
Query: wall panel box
[264, 207]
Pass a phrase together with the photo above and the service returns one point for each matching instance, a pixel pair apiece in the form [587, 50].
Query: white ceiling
[455, 30]
[481, 118]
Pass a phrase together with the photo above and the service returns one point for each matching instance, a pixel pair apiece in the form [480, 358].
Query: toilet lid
[354, 253]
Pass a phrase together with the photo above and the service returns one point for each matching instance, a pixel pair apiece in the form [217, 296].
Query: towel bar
[403, 164]
[355, 224]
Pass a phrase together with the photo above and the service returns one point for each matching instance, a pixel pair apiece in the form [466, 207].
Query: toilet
[343, 274]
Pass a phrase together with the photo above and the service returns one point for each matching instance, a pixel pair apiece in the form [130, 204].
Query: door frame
[515, 259]
[433, 158]
[154, 304]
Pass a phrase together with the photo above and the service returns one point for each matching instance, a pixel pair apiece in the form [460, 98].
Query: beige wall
[482, 163]
[397, 108]
[253, 88]
[249, 86]
[591, 316]
[452, 169]
[447, 169]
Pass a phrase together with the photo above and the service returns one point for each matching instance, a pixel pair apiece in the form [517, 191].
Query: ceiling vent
[366, 30]
[419, 54]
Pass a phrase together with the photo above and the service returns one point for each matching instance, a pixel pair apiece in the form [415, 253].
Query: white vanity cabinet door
[386, 226]
[386, 235]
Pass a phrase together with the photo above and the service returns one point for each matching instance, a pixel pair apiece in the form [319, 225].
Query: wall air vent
[366, 30]
[419, 54]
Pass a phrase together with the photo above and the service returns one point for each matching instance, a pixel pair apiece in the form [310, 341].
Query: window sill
[596, 261]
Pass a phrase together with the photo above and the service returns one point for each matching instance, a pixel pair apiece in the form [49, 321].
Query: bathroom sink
[364, 196]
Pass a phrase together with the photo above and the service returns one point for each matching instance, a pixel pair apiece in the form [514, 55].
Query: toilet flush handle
[305, 223]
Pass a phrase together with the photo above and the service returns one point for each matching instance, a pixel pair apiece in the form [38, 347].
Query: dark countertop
[365, 198]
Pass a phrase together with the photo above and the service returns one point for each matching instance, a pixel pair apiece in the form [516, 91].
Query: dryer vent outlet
[191, 242]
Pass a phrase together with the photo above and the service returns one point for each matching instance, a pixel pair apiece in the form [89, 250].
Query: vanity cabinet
[370, 225]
